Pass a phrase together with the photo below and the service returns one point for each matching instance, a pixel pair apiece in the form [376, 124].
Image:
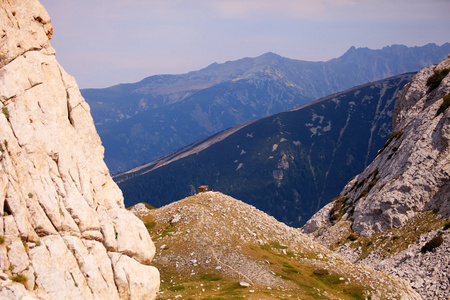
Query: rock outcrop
[400, 202]
[213, 246]
[64, 232]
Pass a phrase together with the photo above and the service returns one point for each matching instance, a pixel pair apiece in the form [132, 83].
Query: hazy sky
[106, 42]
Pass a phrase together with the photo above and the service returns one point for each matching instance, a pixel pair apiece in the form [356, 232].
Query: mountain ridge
[141, 122]
[283, 164]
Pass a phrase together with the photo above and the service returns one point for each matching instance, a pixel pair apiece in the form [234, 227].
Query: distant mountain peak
[270, 55]
[237, 91]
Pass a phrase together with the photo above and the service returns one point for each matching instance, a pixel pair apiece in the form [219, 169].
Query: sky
[106, 42]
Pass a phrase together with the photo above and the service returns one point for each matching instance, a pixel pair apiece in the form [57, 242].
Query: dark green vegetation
[445, 104]
[290, 164]
[337, 211]
[394, 136]
[391, 242]
[143, 121]
[433, 243]
[435, 80]
[19, 278]
[447, 225]
[5, 112]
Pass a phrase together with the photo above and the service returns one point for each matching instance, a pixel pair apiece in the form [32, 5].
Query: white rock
[133, 280]
[54, 184]
[176, 218]
[140, 207]
[17, 256]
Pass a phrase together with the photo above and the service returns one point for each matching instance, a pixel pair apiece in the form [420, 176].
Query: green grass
[284, 277]
[433, 243]
[356, 293]
[19, 278]
[290, 271]
[148, 206]
[210, 277]
[5, 112]
[393, 241]
[167, 232]
[277, 245]
[394, 136]
[233, 288]
[176, 288]
[435, 80]
[149, 225]
[265, 247]
[337, 210]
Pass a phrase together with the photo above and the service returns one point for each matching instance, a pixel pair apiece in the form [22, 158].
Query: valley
[289, 164]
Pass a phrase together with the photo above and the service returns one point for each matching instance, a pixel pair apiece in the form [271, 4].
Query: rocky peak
[400, 202]
[412, 170]
[64, 231]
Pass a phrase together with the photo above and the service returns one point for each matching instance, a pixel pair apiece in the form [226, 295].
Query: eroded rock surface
[63, 226]
[403, 192]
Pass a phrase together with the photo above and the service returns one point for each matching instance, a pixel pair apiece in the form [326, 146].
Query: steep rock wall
[63, 226]
[385, 215]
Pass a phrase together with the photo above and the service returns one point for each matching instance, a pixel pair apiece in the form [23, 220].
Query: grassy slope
[207, 244]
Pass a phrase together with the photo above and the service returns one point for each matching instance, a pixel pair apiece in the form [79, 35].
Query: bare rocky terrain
[394, 215]
[64, 231]
[213, 246]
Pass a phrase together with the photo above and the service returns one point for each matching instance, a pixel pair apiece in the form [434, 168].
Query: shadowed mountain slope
[289, 164]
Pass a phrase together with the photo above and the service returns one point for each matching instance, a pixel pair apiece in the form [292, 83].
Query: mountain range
[65, 233]
[288, 164]
[140, 122]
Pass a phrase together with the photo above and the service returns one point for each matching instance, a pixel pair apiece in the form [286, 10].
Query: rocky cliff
[64, 232]
[393, 215]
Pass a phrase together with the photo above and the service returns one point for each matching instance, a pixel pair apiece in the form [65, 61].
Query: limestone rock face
[412, 172]
[404, 191]
[63, 225]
